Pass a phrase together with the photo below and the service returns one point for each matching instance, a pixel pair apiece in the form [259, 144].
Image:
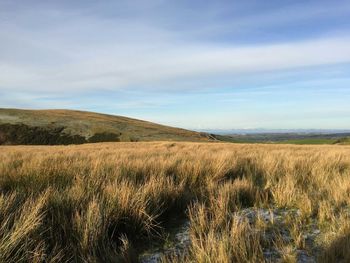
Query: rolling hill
[74, 127]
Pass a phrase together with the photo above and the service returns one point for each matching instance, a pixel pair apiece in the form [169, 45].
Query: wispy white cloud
[119, 68]
[53, 50]
[135, 54]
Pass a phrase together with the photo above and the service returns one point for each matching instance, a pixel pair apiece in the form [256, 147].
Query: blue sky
[192, 64]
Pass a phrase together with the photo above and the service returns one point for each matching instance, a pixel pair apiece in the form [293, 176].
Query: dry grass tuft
[101, 202]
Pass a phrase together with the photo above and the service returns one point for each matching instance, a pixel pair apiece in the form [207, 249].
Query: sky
[193, 64]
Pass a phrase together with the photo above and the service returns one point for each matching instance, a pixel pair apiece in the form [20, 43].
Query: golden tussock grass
[99, 202]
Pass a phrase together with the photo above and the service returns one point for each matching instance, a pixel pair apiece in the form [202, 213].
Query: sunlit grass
[98, 202]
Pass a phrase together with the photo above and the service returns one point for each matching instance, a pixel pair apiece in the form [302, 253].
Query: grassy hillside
[112, 202]
[68, 126]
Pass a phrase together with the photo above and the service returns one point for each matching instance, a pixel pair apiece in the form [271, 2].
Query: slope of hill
[344, 140]
[74, 127]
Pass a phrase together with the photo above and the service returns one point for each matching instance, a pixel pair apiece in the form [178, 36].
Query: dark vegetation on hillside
[344, 140]
[14, 134]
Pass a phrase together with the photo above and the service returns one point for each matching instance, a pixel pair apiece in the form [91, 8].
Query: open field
[340, 141]
[288, 138]
[109, 202]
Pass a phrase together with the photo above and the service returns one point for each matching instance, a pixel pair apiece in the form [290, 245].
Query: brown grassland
[99, 202]
[83, 125]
